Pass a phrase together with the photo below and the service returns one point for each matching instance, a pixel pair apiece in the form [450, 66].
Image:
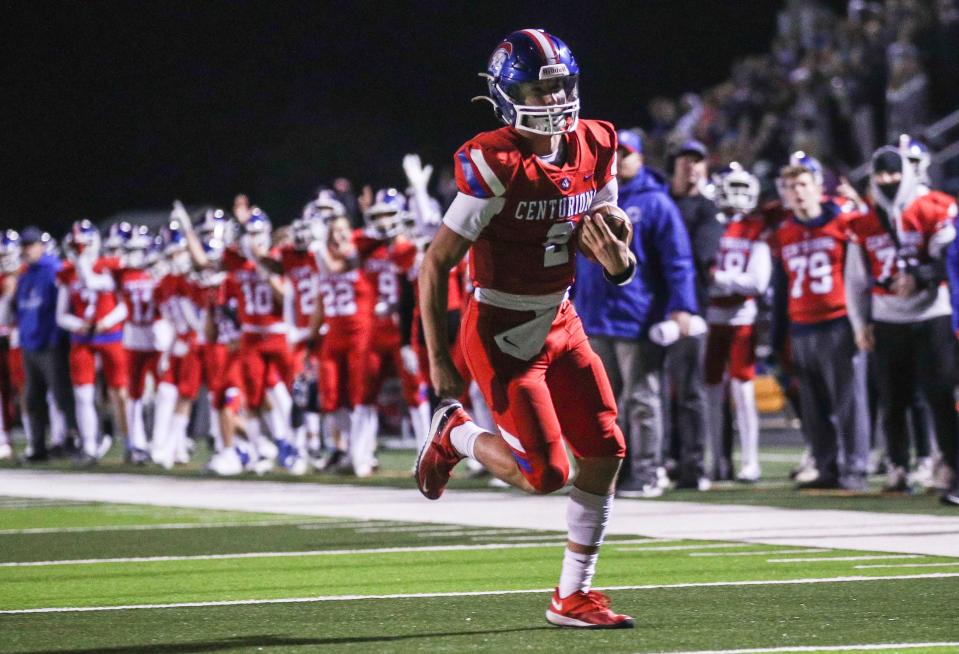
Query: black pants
[684, 405]
[912, 356]
[834, 412]
[45, 370]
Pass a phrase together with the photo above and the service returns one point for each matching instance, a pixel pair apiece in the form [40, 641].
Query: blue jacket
[665, 278]
[36, 304]
[952, 271]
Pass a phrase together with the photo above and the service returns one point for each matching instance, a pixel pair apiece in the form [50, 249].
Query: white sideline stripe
[906, 565]
[820, 648]
[478, 593]
[511, 539]
[480, 531]
[846, 558]
[268, 555]
[175, 525]
[414, 528]
[673, 548]
[759, 553]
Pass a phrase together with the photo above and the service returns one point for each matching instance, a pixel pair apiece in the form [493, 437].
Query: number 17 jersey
[521, 211]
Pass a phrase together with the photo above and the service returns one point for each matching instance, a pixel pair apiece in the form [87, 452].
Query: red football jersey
[87, 304]
[383, 266]
[171, 291]
[258, 310]
[524, 247]
[348, 299]
[138, 288]
[813, 256]
[921, 220]
[299, 266]
[735, 248]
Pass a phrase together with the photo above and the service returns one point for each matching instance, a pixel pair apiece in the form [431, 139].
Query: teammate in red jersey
[9, 267]
[179, 363]
[810, 249]
[524, 191]
[137, 289]
[346, 314]
[260, 296]
[742, 272]
[87, 307]
[387, 265]
[900, 306]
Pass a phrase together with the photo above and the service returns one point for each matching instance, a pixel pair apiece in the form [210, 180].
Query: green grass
[668, 619]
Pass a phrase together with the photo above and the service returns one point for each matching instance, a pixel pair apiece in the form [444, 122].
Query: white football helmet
[737, 190]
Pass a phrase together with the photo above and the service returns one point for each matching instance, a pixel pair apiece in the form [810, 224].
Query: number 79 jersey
[521, 211]
[813, 255]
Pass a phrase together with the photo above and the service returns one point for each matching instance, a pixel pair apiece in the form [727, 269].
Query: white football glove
[181, 215]
[417, 174]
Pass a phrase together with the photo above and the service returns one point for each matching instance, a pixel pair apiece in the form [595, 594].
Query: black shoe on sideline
[820, 483]
[951, 497]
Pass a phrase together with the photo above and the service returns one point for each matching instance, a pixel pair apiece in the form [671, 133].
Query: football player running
[526, 190]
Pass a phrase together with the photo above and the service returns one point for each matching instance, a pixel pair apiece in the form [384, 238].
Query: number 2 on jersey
[557, 244]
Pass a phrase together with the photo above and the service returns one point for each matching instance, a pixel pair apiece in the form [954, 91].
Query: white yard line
[292, 554]
[759, 553]
[813, 559]
[519, 539]
[479, 532]
[411, 528]
[341, 598]
[907, 565]
[821, 648]
[318, 524]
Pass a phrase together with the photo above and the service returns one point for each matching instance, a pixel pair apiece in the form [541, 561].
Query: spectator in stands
[44, 345]
[685, 414]
[618, 319]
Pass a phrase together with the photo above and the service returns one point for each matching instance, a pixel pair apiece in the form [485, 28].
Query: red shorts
[141, 363]
[562, 393]
[266, 361]
[185, 373]
[732, 346]
[343, 370]
[15, 365]
[384, 361]
[83, 368]
[224, 371]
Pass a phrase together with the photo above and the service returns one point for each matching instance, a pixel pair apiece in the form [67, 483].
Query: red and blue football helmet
[527, 63]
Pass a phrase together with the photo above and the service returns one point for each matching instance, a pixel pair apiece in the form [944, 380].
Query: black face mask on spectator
[888, 162]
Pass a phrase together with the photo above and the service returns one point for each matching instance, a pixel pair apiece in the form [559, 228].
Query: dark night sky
[111, 106]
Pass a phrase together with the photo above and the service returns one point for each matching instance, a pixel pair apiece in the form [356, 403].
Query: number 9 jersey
[520, 210]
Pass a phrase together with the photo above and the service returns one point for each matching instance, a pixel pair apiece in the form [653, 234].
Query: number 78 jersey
[521, 211]
[813, 255]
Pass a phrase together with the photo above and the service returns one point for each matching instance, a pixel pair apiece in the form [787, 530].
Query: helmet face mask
[533, 82]
[136, 248]
[737, 190]
[83, 241]
[10, 251]
[387, 217]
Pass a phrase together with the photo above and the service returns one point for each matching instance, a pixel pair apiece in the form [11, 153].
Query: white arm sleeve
[609, 193]
[469, 216]
[6, 315]
[752, 281]
[115, 317]
[94, 281]
[941, 239]
[190, 313]
[65, 319]
[858, 291]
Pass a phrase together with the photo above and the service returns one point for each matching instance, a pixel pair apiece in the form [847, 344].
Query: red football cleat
[438, 457]
[589, 610]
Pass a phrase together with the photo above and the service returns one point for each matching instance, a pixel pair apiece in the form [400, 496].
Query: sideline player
[524, 191]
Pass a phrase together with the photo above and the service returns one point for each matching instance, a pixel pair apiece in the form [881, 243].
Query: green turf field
[216, 581]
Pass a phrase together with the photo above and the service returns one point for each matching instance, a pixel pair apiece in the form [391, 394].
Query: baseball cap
[692, 146]
[31, 235]
[630, 140]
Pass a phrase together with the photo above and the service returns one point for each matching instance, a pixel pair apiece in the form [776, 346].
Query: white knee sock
[747, 421]
[587, 516]
[58, 421]
[715, 399]
[86, 417]
[163, 407]
[178, 425]
[420, 419]
[463, 437]
[215, 426]
[279, 418]
[138, 434]
[365, 422]
[312, 421]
